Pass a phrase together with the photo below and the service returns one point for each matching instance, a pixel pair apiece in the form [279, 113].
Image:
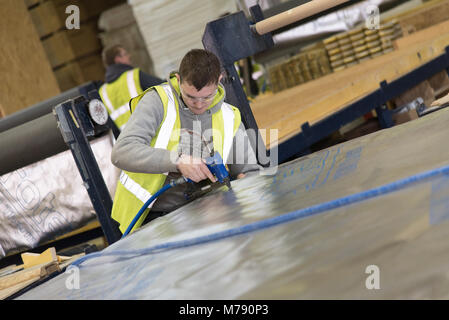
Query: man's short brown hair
[200, 68]
[108, 55]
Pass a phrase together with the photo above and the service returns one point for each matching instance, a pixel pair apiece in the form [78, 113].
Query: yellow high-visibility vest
[135, 189]
[116, 96]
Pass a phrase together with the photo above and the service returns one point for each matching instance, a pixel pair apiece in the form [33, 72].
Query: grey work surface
[321, 256]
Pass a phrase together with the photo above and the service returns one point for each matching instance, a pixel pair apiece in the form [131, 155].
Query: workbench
[366, 219]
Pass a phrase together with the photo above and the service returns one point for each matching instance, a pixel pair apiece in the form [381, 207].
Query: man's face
[123, 57]
[198, 101]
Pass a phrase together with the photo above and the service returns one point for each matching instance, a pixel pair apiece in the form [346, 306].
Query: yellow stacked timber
[301, 68]
[27, 77]
[50, 16]
[84, 69]
[68, 45]
[74, 54]
[360, 44]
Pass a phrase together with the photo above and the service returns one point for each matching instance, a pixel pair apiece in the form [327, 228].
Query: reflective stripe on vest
[167, 126]
[161, 142]
[118, 107]
[228, 122]
[114, 114]
[131, 84]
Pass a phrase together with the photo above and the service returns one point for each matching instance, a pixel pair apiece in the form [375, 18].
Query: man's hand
[194, 168]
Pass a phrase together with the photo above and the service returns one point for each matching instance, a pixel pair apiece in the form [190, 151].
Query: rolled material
[30, 142]
[296, 14]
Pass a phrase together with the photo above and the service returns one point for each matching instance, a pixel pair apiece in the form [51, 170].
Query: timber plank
[35, 272]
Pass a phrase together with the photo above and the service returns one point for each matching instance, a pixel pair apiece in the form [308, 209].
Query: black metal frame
[76, 126]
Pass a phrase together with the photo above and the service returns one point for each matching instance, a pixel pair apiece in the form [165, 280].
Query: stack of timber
[27, 77]
[318, 99]
[35, 268]
[361, 44]
[119, 27]
[334, 54]
[74, 54]
[301, 68]
[169, 34]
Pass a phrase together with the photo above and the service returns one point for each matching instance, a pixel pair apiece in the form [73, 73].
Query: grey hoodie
[132, 151]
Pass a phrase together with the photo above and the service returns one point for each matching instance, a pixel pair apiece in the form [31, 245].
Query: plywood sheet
[27, 77]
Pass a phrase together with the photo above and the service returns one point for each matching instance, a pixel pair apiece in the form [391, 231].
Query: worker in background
[251, 75]
[172, 128]
[122, 82]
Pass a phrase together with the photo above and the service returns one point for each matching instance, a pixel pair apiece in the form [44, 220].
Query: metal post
[72, 122]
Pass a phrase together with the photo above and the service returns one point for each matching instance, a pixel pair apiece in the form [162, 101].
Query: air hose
[152, 198]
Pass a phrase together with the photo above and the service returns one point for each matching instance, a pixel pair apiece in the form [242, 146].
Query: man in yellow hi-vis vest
[173, 127]
[122, 82]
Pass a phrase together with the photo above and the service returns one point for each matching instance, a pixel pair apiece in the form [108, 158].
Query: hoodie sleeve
[132, 151]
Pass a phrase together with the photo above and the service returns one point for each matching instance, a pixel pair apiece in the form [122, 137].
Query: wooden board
[77, 72]
[425, 16]
[14, 282]
[88, 9]
[314, 101]
[7, 292]
[33, 259]
[35, 272]
[46, 19]
[421, 36]
[27, 77]
[67, 45]
[30, 3]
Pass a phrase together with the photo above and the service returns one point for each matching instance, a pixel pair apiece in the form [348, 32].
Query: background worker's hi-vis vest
[116, 96]
[134, 189]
